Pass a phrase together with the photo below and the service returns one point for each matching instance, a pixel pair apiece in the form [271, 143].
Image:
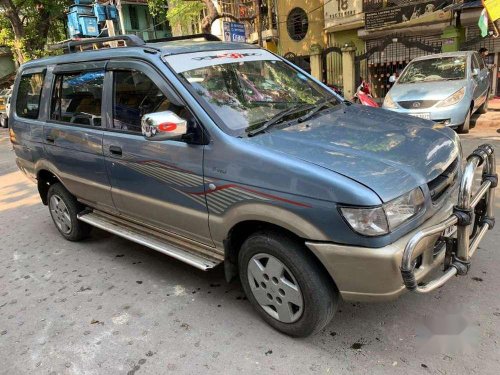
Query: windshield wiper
[318, 107]
[277, 118]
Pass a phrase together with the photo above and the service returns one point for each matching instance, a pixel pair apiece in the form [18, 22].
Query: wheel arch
[244, 229]
[45, 179]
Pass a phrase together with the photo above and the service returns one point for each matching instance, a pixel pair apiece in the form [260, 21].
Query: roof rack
[99, 43]
[207, 37]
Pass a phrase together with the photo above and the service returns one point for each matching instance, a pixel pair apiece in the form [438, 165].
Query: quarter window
[135, 95]
[77, 98]
[28, 95]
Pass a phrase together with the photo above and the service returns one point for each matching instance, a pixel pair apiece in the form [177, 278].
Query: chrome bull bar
[473, 216]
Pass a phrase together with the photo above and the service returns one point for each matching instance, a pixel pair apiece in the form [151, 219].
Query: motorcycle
[364, 97]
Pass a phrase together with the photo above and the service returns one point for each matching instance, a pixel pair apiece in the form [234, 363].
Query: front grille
[444, 181]
[417, 104]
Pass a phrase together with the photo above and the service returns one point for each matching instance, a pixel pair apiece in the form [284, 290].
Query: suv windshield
[247, 88]
[437, 69]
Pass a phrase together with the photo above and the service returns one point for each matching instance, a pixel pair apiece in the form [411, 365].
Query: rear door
[74, 130]
[157, 183]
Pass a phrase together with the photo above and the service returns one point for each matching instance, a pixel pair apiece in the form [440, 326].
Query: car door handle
[115, 150]
[50, 138]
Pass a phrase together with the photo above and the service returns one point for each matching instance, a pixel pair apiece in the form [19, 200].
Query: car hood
[388, 152]
[438, 90]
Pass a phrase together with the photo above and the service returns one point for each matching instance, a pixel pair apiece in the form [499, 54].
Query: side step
[120, 228]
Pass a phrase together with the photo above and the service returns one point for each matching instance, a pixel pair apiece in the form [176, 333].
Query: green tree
[187, 12]
[27, 25]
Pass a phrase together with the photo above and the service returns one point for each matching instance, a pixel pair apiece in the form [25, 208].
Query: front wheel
[484, 107]
[285, 284]
[464, 128]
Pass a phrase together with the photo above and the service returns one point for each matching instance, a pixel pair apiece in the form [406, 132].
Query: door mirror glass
[161, 126]
[475, 72]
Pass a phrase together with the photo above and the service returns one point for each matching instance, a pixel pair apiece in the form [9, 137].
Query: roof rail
[207, 37]
[98, 43]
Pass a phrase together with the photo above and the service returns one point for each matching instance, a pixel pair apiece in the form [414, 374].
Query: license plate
[426, 116]
[450, 231]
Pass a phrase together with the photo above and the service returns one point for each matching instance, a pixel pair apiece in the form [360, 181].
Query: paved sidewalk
[490, 119]
[109, 306]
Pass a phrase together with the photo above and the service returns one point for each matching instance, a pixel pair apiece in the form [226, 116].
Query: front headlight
[381, 220]
[452, 99]
[388, 102]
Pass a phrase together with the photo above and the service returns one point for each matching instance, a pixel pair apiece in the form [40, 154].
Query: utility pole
[258, 21]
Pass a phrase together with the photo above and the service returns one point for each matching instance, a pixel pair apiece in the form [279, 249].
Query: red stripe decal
[274, 197]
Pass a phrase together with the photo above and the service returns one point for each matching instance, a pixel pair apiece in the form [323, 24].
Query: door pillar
[316, 61]
[349, 69]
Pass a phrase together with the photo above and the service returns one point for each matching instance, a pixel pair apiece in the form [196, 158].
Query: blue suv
[225, 153]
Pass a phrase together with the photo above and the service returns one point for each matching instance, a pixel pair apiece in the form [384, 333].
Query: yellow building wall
[347, 36]
[315, 33]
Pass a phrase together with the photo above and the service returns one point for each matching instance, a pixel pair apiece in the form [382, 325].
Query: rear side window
[28, 95]
[77, 98]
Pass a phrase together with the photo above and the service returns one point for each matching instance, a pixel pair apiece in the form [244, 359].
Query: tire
[484, 107]
[3, 121]
[64, 208]
[310, 297]
[464, 128]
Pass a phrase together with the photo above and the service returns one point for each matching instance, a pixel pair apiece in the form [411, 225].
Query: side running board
[122, 228]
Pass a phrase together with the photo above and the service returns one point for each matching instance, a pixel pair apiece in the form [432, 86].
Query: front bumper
[367, 274]
[451, 116]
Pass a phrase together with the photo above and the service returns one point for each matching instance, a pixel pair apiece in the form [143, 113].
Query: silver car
[446, 88]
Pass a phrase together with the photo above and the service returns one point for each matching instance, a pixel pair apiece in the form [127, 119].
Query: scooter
[363, 98]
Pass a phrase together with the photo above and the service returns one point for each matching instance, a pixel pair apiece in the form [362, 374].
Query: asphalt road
[109, 306]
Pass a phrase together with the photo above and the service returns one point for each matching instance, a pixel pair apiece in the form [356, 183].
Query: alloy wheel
[60, 213]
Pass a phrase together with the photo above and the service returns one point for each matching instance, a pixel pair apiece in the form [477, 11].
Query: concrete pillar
[316, 61]
[452, 38]
[349, 69]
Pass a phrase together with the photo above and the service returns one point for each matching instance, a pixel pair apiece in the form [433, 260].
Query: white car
[4, 107]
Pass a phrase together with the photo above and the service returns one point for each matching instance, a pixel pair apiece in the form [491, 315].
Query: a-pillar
[349, 69]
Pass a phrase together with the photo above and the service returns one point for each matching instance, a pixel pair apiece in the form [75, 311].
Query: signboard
[234, 31]
[422, 11]
[341, 12]
[371, 5]
[493, 8]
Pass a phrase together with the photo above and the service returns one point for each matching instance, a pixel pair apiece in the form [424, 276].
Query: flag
[483, 23]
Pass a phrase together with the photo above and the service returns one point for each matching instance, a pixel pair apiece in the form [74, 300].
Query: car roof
[146, 51]
[444, 54]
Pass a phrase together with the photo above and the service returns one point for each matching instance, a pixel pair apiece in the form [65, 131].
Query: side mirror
[162, 126]
[475, 72]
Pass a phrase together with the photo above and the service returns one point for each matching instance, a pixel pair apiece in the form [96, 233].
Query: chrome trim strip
[142, 238]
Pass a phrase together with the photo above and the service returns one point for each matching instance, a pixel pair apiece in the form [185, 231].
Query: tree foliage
[188, 12]
[179, 12]
[27, 25]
